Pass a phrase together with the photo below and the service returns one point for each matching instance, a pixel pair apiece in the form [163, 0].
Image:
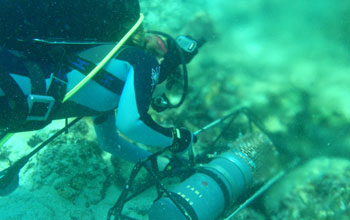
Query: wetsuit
[126, 83]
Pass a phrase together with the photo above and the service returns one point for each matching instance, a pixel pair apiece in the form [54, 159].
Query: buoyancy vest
[22, 21]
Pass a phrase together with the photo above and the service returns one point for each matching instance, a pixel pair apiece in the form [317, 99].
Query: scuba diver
[48, 47]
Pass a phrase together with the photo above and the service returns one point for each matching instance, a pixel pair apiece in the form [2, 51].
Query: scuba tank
[89, 20]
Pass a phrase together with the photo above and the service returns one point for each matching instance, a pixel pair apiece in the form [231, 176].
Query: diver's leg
[110, 141]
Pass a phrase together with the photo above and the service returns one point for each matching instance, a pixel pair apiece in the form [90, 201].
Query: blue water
[286, 61]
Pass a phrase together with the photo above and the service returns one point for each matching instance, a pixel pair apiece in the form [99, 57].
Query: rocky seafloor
[289, 62]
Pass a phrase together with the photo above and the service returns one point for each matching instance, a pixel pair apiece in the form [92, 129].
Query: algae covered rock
[73, 165]
[249, 214]
[320, 189]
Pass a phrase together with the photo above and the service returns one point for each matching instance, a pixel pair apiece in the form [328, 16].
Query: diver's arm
[133, 119]
[110, 141]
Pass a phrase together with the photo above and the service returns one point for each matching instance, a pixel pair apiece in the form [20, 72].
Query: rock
[73, 165]
[319, 189]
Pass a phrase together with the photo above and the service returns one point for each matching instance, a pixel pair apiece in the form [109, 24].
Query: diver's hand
[182, 140]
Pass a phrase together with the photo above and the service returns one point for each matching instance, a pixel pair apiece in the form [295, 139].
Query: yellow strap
[5, 139]
[104, 61]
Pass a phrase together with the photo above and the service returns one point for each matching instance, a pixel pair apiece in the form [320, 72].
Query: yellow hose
[5, 139]
[104, 61]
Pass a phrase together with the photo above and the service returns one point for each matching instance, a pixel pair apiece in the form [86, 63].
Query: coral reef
[289, 64]
[320, 189]
[73, 165]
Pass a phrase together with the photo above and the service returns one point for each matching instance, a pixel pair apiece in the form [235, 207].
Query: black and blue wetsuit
[126, 83]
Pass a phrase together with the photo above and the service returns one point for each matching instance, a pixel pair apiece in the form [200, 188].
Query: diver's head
[170, 52]
[156, 45]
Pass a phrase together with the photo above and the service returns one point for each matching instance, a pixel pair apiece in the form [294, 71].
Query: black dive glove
[183, 140]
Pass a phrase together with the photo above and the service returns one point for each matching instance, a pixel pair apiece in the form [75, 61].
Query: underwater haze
[286, 61]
